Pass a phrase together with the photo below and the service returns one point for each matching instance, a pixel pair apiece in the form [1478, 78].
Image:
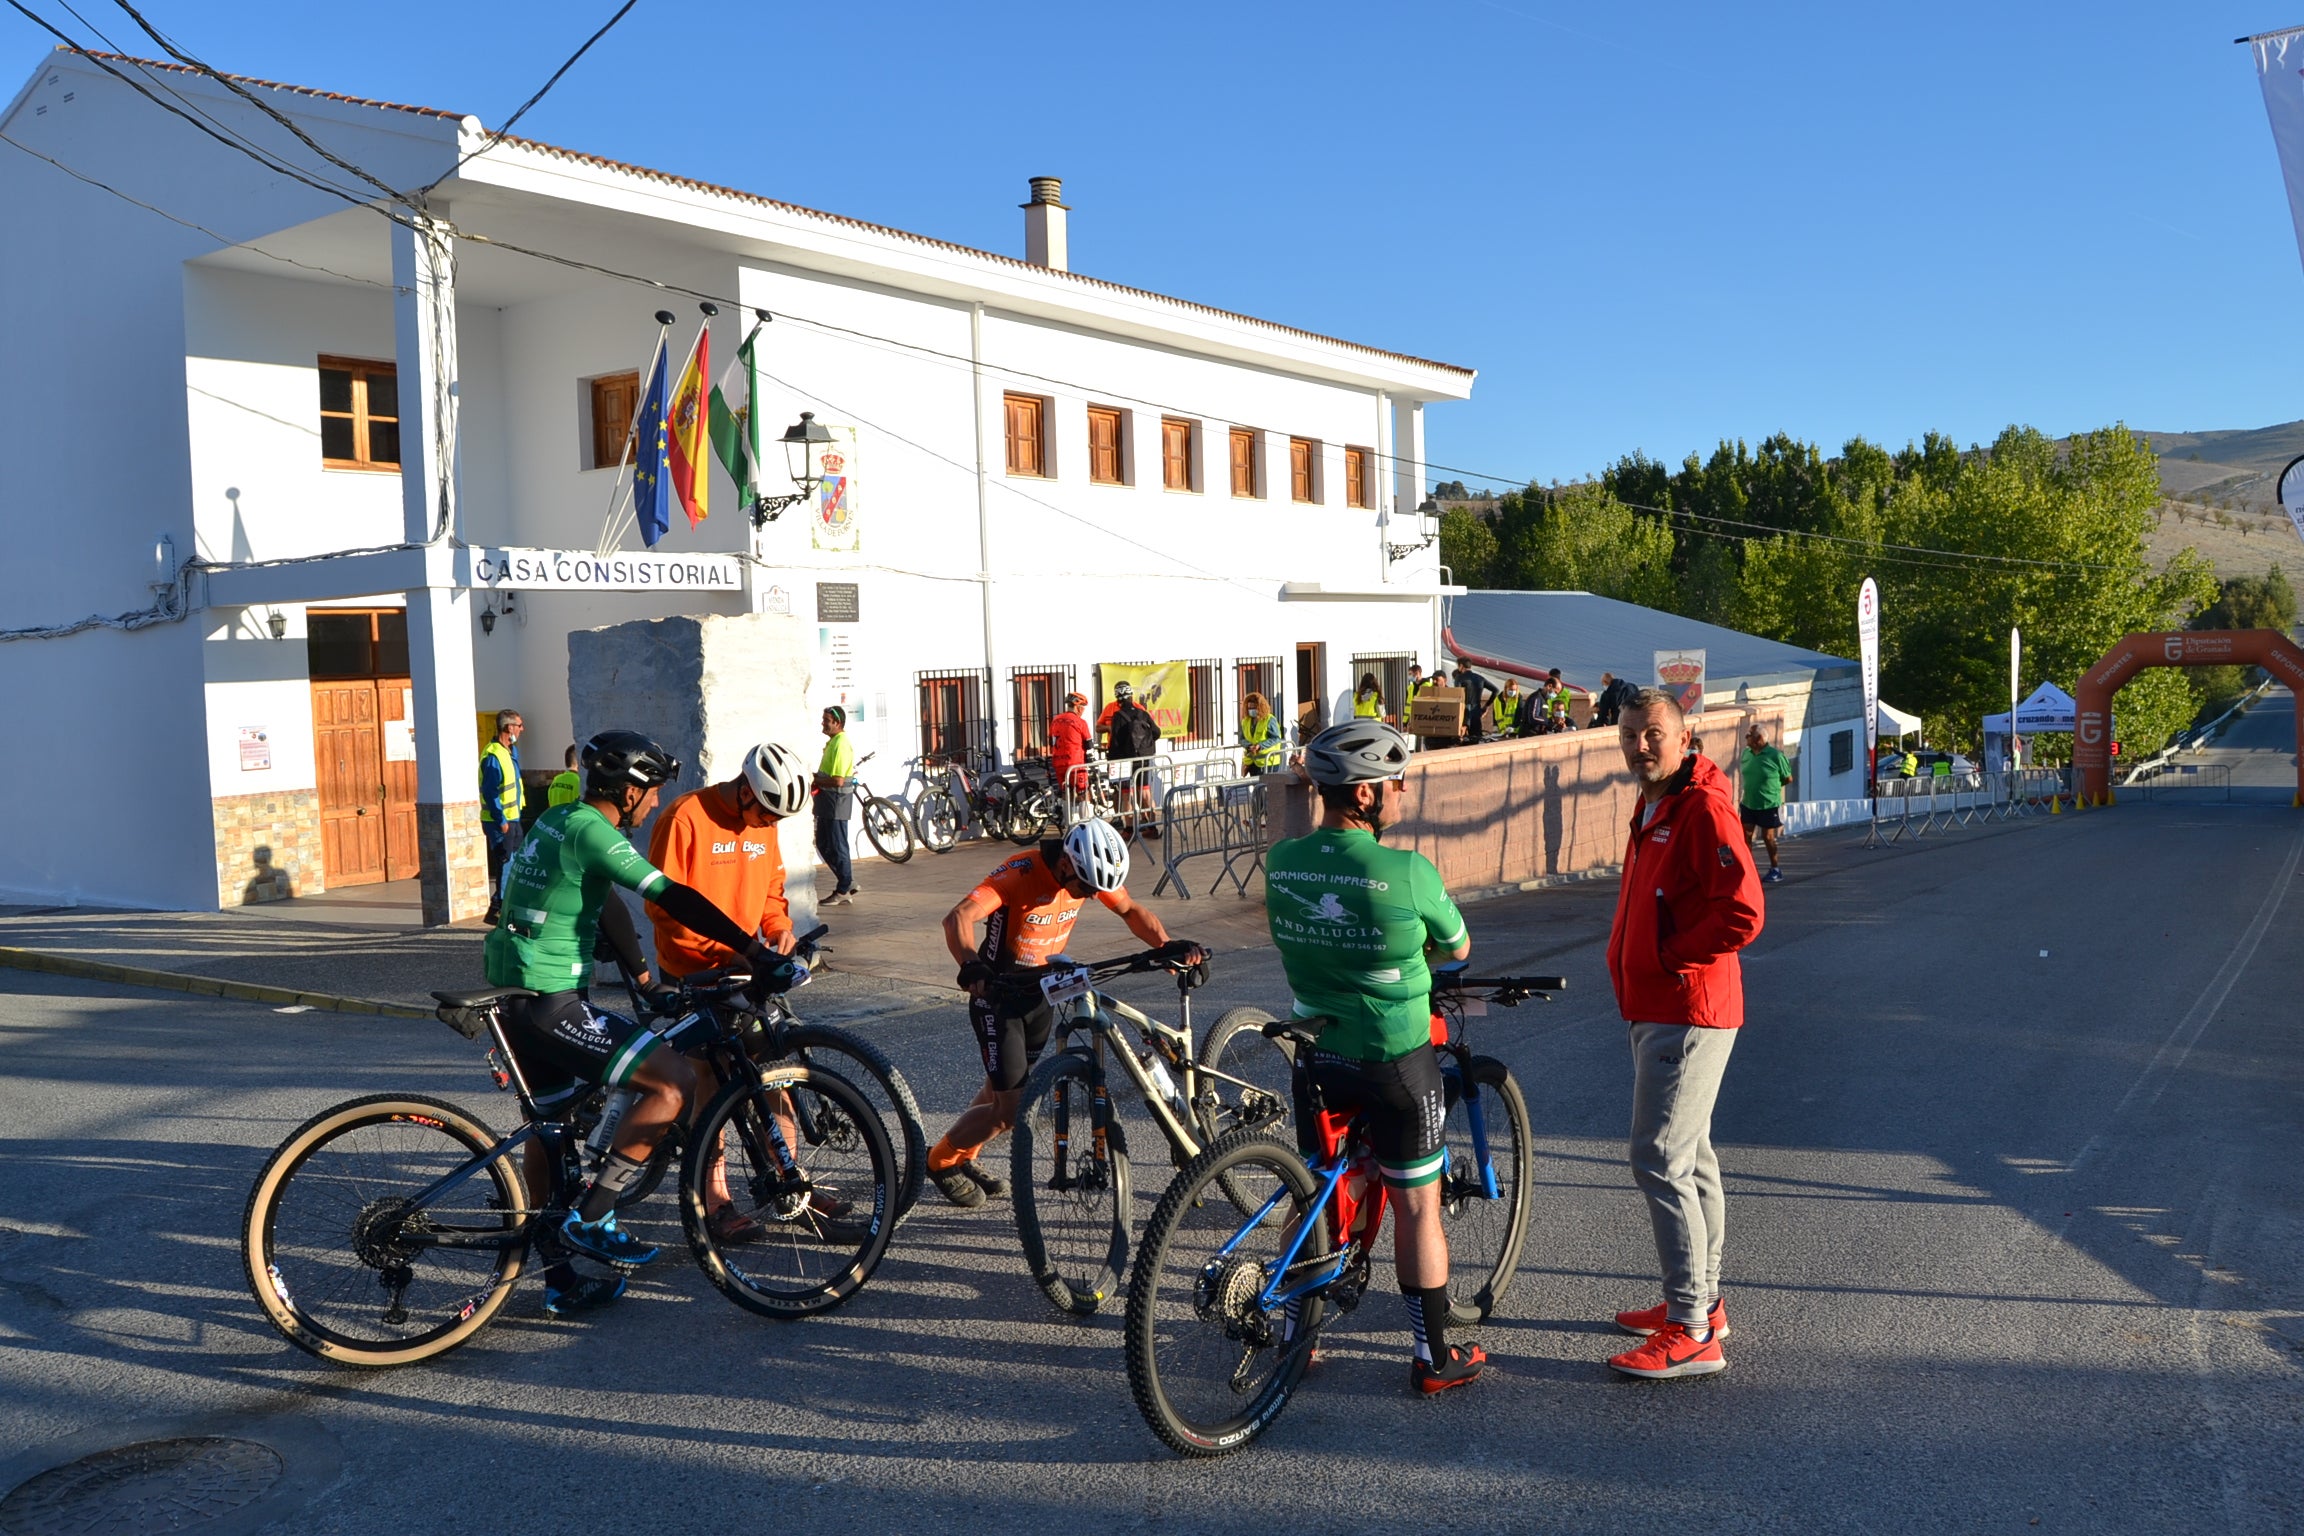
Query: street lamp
[801, 441]
[1427, 524]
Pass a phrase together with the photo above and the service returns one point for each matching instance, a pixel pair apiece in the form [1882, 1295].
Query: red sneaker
[1464, 1362]
[1669, 1352]
[1647, 1320]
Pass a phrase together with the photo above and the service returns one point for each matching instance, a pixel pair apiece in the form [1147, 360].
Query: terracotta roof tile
[270, 85]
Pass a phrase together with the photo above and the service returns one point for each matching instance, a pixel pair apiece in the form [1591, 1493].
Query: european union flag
[652, 456]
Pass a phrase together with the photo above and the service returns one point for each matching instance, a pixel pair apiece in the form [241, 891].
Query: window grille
[955, 725]
[1036, 696]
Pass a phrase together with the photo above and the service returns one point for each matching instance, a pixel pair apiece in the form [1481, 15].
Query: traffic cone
[2055, 805]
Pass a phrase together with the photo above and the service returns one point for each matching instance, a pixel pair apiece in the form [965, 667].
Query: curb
[205, 986]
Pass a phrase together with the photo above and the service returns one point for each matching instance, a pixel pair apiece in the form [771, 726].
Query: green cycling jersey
[553, 891]
[1350, 918]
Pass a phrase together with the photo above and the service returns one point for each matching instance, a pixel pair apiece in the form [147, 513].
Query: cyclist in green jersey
[553, 893]
[1352, 920]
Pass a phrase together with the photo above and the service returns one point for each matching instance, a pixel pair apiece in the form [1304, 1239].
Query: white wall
[255, 680]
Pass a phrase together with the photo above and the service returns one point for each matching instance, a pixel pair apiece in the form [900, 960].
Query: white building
[282, 426]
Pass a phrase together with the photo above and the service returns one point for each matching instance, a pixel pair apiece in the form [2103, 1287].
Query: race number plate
[1061, 987]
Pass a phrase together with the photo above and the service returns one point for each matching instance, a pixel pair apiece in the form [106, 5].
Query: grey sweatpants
[1675, 1079]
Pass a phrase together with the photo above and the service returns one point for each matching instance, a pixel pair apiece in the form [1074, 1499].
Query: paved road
[2013, 1150]
[2260, 747]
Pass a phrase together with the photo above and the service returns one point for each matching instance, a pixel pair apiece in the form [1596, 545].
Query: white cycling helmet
[778, 778]
[1098, 855]
[1356, 752]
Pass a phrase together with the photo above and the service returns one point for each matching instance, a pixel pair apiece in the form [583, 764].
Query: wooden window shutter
[1299, 469]
[1356, 477]
[1176, 454]
[1027, 449]
[615, 397]
[1243, 462]
[1104, 445]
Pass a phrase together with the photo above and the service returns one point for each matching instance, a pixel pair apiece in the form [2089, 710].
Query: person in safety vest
[1262, 741]
[1556, 706]
[1368, 703]
[502, 799]
[567, 787]
[1506, 710]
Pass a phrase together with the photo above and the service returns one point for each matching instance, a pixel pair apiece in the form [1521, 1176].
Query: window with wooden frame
[1176, 454]
[1357, 491]
[1107, 445]
[1027, 435]
[1244, 462]
[1257, 674]
[1206, 721]
[953, 728]
[1038, 698]
[359, 414]
[1303, 469]
[615, 397]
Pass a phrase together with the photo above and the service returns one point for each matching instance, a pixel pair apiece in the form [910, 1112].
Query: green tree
[1468, 548]
[2251, 602]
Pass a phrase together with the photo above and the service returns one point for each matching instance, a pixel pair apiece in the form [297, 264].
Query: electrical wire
[521, 111]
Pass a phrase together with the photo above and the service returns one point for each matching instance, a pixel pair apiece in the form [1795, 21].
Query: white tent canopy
[1894, 722]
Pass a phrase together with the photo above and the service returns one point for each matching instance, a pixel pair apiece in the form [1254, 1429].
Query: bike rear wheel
[1072, 1198]
[938, 819]
[1210, 1368]
[885, 825]
[1485, 1232]
[1033, 812]
[806, 1253]
[345, 1263]
[1238, 1047]
[867, 1069]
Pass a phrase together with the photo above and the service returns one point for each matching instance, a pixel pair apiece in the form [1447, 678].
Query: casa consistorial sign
[567, 570]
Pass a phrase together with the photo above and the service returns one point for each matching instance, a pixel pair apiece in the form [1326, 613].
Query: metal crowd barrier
[1213, 818]
[1936, 803]
[2187, 781]
[1115, 787]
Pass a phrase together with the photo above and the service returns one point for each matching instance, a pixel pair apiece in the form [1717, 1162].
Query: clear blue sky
[1648, 228]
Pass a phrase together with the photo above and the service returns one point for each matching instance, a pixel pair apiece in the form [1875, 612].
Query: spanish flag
[689, 424]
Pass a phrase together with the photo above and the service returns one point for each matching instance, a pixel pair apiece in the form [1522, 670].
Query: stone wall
[1538, 807]
[452, 858]
[708, 688]
[268, 846]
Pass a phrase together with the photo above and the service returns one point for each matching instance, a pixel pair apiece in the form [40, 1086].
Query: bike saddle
[1299, 1031]
[481, 998]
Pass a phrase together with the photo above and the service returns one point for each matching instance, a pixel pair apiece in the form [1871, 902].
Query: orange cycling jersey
[1035, 914]
[701, 841]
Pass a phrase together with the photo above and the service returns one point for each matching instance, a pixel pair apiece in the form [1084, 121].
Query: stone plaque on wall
[836, 602]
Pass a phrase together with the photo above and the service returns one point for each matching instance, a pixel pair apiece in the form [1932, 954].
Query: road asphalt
[2012, 1145]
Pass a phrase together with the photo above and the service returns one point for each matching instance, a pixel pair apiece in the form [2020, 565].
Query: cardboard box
[1437, 712]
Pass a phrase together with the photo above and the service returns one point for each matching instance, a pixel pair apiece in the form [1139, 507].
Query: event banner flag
[1868, 647]
[1164, 688]
[2280, 71]
[1682, 672]
[835, 523]
[2292, 494]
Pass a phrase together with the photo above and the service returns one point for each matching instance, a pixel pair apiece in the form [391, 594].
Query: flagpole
[620, 494]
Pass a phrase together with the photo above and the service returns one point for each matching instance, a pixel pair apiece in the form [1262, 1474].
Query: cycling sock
[944, 1156]
[1428, 1320]
[615, 1176]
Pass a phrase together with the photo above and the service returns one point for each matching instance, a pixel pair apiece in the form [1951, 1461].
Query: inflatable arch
[2091, 748]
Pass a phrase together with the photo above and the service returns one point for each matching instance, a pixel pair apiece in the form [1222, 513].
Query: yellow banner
[1163, 687]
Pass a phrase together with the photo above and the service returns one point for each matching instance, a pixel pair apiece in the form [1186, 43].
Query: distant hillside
[2234, 470]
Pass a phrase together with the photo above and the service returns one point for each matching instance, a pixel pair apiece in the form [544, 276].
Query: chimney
[1044, 243]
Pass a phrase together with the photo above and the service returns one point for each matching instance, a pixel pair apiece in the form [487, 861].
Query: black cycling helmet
[615, 761]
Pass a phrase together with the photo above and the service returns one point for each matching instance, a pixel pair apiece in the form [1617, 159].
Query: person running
[1352, 920]
[1766, 771]
[1027, 906]
[554, 888]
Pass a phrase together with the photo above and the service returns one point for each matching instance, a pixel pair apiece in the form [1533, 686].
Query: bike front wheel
[884, 824]
[867, 1069]
[1031, 813]
[1210, 1363]
[348, 1264]
[938, 818]
[1070, 1186]
[809, 1175]
[1485, 1230]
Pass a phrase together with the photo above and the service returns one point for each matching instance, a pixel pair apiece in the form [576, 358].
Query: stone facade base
[452, 860]
[268, 847]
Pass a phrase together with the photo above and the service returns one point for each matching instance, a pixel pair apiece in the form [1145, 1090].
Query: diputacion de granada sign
[560, 570]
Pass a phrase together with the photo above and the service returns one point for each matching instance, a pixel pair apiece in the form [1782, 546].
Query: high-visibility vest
[565, 789]
[1367, 706]
[1559, 704]
[511, 795]
[1506, 709]
[1265, 742]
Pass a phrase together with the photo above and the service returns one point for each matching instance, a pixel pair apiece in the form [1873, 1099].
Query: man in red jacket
[1690, 900]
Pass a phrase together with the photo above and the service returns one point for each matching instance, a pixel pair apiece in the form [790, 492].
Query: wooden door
[395, 708]
[347, 752]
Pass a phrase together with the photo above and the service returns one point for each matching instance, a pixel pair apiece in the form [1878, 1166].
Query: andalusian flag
[688, 422]
[735, 430]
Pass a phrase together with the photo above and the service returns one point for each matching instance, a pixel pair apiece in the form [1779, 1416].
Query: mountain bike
[1035, 809]
[1069, 1153]
[392, 1227]
[962, 801]
[1224, 1313]
[772, 1032]
[884, 820]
